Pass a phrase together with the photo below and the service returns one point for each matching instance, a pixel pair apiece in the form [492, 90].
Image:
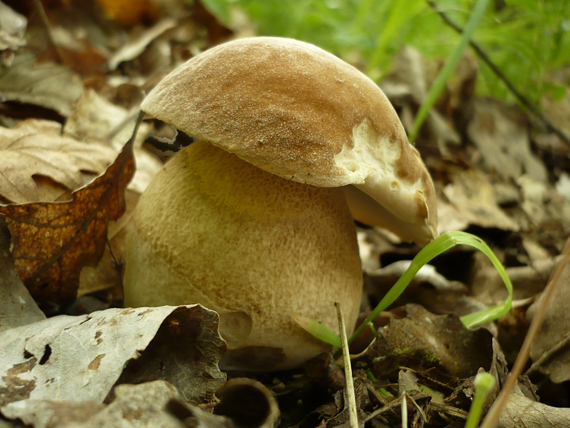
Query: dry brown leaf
[133, 48]
[551, 349]
[53, 241]
[12, 28]
[521, 411]
[48, 85]
[36, 147]
[423, 340]
[17, 308]
[81, 358]
[473, 199]
[94, 119]
[501, 136]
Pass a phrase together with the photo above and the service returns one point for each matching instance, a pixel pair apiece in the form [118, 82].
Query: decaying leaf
[407, 86]
[503, 141]
[134, 48]
[552, 344]
[53, 241]
[81, 358]
[521, 411]
[473, 199]
[244, 403]
[423, 340]
[12, 28]
[527, 281]
[94, 119]
[17, 308]
[52, 86]
[37, 148]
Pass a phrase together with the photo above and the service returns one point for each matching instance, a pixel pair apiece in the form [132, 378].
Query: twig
[493, 416]
[393, 405]
[404, 410]
[485, 58]
[547, 355]
[45, 20]
[351, 399]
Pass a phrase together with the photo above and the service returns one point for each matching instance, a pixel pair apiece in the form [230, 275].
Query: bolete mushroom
[252, 220]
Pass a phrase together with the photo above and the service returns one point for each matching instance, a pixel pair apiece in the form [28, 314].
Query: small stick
[547, 355]
[485, 58]
[404, 409]
[46, 23]
[351, 398]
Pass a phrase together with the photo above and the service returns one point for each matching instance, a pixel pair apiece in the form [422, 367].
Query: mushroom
[255, 219]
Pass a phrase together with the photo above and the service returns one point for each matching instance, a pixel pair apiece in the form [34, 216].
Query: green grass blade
[443, 243]
[445, 73]
[320, 331]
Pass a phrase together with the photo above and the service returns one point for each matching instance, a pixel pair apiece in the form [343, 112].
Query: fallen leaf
[17, 308]
[37, 148]
[503, 141]
[128, 12]
[473, 198]
[552, 345]
[81, 358]
[53, 241]
[51, 414]
[48, 85]
[522, 411]
[94, 119]
[135, 47]
[527, 281]
[248, 403]
[12, 28]
[423, 340]
[406, 86]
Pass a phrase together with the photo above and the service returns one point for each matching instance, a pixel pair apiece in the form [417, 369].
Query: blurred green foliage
[527, 39]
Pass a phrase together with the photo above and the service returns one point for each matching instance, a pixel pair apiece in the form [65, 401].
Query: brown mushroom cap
[303, 114]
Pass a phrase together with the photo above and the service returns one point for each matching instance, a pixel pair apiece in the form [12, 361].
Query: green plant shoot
[443, 243]
[484, 383]
[448, 68]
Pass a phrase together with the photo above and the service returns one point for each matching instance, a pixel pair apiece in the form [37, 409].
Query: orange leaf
[51, 242]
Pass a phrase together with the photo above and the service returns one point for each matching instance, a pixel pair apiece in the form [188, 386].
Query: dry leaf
[134, 48]
[17, 308]
[151, 404]
[53, 241]
[248, 403]
[93, 118]
[37, 148]
[503, 141]
[521, 411]
[406, 86]
[473, 198]
[81, 358]
[552, 344]
[12, 28]
[128, 12]
[423, 340]
[48, 85]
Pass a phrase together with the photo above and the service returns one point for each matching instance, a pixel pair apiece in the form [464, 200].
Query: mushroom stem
[212, 228]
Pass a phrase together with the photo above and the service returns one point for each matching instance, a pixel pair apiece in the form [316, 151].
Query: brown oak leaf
[52, 241]
[36, 148]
